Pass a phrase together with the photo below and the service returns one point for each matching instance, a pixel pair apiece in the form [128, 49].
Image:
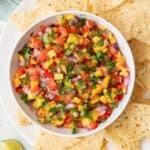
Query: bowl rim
[106, 23]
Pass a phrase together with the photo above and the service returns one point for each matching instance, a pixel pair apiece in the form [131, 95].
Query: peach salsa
[72, 73]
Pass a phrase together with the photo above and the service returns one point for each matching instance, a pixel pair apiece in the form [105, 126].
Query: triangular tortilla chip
[143, 74]
[23, 121]
[91, 142]
[140, 50]
[45, 141]
[25, 19]
[121, 143]
[133, 124]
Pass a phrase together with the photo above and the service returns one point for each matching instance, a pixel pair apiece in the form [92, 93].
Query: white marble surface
[7, 130]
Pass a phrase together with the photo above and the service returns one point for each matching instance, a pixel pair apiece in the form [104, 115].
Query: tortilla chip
[140, 50]
[143, 74]
[63, 5]
[133, 125]
[91, 142]
[101, 5]
[45, 141]
[53, 4]
[23, 121]
[125, 19]
[121, 143]
[104, 145]
[140, 95]
[25, 19]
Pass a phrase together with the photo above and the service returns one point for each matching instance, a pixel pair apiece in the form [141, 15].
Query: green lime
[11, 145]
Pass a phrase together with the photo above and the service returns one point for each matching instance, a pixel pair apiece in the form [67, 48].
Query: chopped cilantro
[25, 51]
[81, 22]
[100, 56]
[53, 110]
[99, 32]
[110, 65]
[24, 97]
[73, 130]
[52, 34]
[94, 78]
[25, 80]
[69, 67]
[71, 22]
[68, 52]
[100, 43]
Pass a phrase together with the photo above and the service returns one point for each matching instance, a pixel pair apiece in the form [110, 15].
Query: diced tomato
[52, 85]
[33, 72]
[43, 56]
[19, 90]
[73, 29]
[79, 125]
[48, 74]
[93, 125]
[119, 97]
[68, 119]
[85, 29]
[57, 98]
[86, 42]
[89, 23]
[37, 43]
[112, 49]
[119, 86]
[84, 75]
[63, 31]
[20, 71]
[107, 113]
[117, 78]
[68, 98]
[48, 47]
[60, 55]
[60, 40]
[43, 27]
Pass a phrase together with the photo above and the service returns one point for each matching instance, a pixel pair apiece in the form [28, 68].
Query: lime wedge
[11, 145]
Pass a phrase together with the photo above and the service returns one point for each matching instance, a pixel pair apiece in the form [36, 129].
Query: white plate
[9, 39]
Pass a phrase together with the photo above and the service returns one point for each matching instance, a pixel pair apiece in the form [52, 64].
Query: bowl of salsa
[72, 73]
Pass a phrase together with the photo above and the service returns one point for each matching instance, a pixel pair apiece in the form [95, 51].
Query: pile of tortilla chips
[132, 18]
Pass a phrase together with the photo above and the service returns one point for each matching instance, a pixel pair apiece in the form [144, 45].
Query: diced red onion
[102, 109]
[75, 79]
[49, 96]
[126, 80]
[26, 89]
[69, 106]
[54, 92]
[47, 29]
[36, 52]
[43, 79]
[99, 81]
[21, 63]
[72, 59]
[58, 69]
[40, 33]
[112, 49]
[116, 46]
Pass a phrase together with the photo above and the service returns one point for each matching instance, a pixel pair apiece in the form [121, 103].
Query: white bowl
[124, 49]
